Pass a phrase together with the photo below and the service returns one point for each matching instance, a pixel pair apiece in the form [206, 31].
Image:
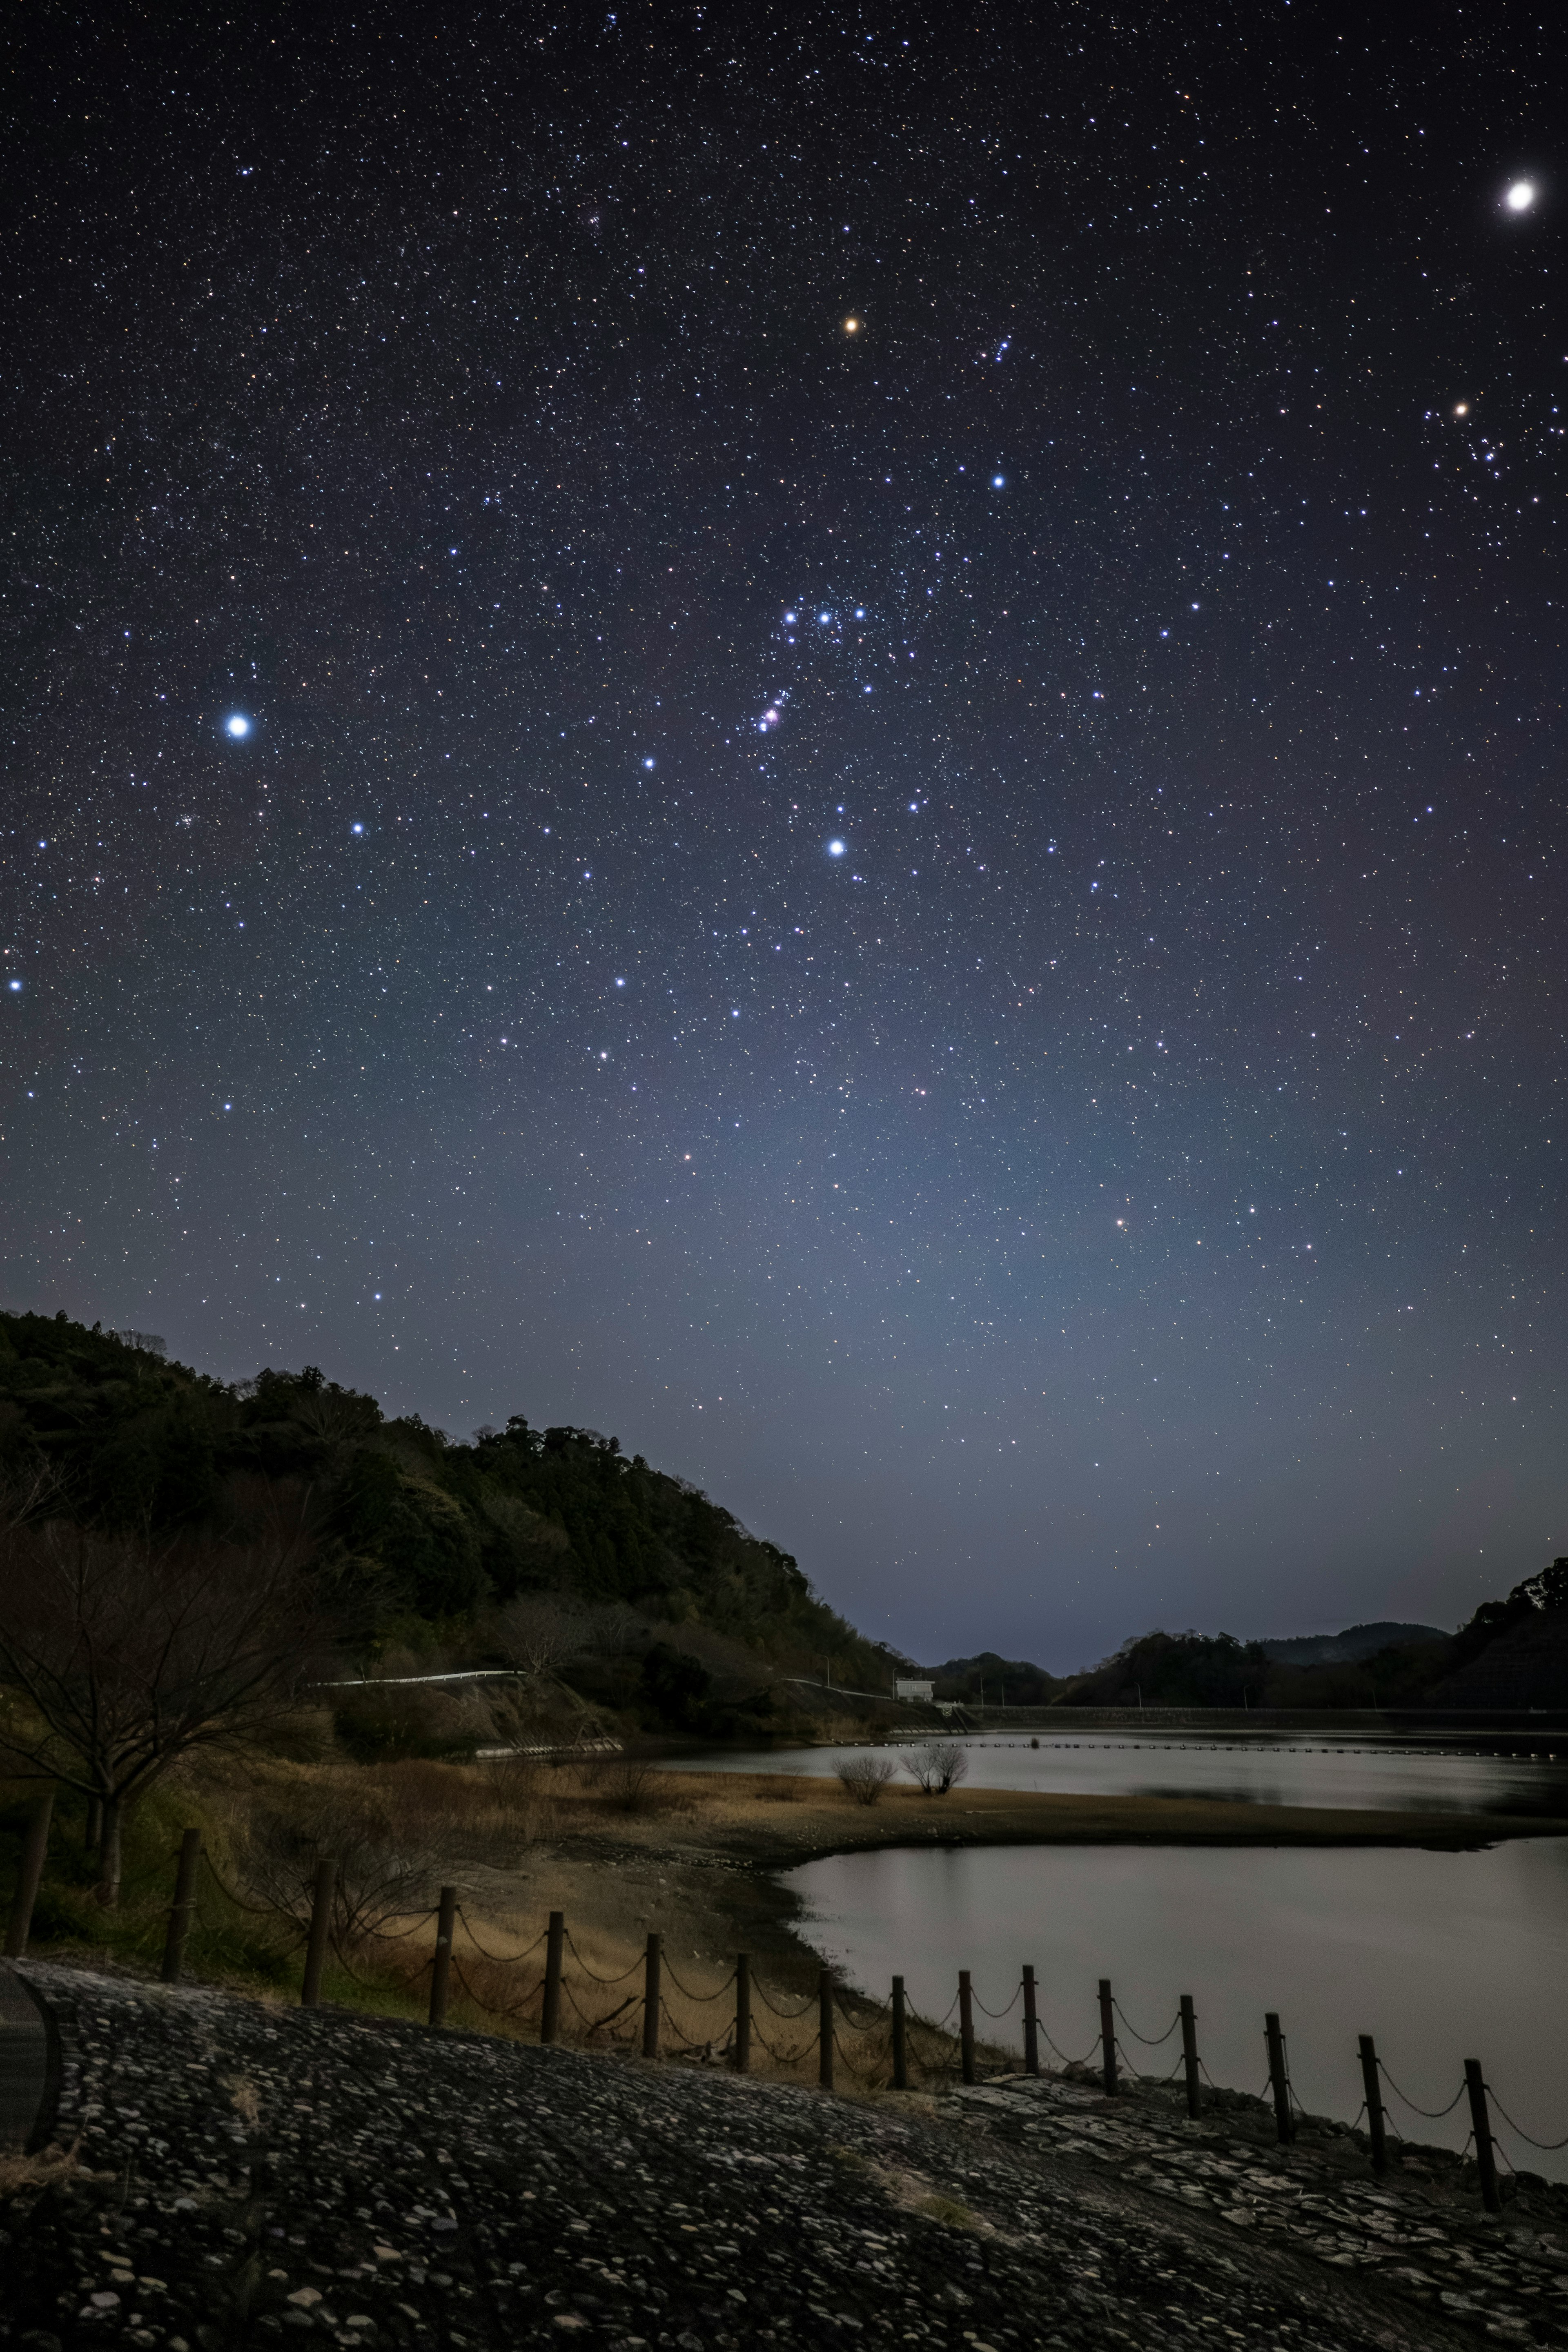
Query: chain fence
[342, 1929]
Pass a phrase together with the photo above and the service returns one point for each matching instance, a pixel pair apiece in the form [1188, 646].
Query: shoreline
[221, 2177]
[708, 1866]
[903, 1817]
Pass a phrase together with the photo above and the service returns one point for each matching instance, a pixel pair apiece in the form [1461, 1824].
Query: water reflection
[1441, 1956]
[1271, 1770]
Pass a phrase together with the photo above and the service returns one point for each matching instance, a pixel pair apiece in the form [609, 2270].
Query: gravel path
[254, 2174]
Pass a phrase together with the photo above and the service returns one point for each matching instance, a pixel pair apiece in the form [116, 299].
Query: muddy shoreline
[707, 1865]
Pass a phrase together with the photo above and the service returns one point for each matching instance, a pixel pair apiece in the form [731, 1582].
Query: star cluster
[836, 741]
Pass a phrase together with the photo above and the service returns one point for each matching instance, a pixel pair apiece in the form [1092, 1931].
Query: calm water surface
[1441, 1956]
[1290, 1769]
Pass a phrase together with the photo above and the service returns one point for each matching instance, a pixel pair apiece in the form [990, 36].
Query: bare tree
[379, 1877]
[121, 1652]
[536, 1634]
[865, 1777]
[938, 1765]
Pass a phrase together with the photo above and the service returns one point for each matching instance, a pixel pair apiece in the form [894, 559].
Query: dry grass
[622, 1848]
[498, 1983]
[45, 2171]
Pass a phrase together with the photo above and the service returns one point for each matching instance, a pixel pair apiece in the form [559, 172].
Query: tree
[537, 1635]
[123, 1652]
[938, 1765]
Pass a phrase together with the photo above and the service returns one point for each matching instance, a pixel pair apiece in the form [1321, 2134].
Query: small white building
[905, 1688]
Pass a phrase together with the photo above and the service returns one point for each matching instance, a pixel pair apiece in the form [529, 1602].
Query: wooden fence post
[900, 2044]
[1108, 2037]
[1372, 2083]
[824, 2029]
[1031, 2024]
[650, 1994]
[320, 1927]
[1284, 2122]
[966, 2024]
[183, 1904]
[30, 1870]
[1480, 2123]
[441, 1966]
[1190, 2055]
[554, 1956]
[742, 2012]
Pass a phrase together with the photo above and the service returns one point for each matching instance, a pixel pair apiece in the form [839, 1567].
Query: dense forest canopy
[427, 1535]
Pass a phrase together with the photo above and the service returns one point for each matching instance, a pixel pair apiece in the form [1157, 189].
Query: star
[1521, 197]
[237, 725]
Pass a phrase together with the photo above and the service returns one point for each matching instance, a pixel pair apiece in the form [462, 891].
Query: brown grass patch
[45, 2171]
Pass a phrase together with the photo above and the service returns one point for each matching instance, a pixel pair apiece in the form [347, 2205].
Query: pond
[1440, 1956]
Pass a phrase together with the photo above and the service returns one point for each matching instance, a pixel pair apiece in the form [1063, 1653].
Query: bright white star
[1521, 197]
[240, 724]
[836, 848]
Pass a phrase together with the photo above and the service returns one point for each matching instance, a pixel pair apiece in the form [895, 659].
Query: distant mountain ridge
[994, 1680]
[1355, 1641]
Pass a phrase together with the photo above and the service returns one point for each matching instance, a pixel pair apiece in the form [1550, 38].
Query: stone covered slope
[255, 2175]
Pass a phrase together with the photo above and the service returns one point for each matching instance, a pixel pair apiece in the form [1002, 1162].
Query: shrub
[633, 1785]
[864, 1778]
[938, 1765]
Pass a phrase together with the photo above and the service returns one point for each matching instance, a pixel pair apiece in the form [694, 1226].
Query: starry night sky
[951, 925]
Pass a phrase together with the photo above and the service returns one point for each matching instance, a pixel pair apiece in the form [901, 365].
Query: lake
[1286, 1769]
[1440, 1956]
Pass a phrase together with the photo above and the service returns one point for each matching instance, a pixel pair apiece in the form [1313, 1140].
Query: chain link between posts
[779, 2057]
[842, 1996]
[1150, 2041]
[502, 1959]
[1088, 2054]
[874, 2076]
[1547, 2147]
[681, 2036]
[518, 2009]
[595, 2024]
[997, 2015]
[1432, 2115]
[685, 1991]
[587, 1971]
[787, 2015]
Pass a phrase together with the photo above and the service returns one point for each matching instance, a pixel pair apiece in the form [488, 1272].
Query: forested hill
[431, 1533]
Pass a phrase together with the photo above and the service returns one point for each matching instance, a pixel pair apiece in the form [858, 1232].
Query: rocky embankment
[247, 2175]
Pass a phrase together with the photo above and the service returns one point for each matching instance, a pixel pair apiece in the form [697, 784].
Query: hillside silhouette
[430, 1538]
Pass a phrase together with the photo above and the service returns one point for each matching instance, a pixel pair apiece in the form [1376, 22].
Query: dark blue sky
[951, 924]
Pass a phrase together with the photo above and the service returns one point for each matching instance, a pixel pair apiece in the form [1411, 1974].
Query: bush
[864, 1778]
[938, 1765]
[632, 1784]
